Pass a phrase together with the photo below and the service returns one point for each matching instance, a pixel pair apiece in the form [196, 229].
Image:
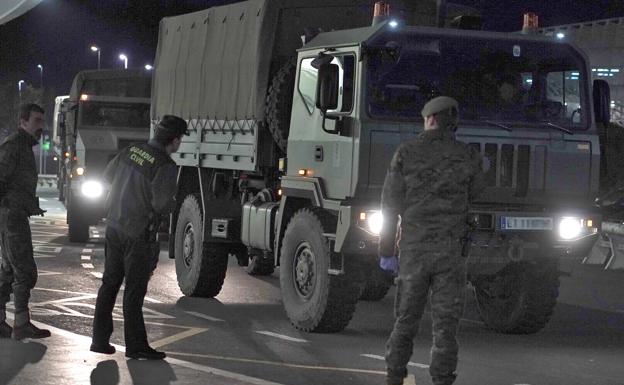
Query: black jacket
[143, 185]
[18, 173]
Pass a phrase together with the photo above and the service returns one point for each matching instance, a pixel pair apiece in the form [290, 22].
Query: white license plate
[526, 223]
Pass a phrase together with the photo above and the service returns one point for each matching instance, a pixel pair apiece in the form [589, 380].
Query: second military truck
[292, 131]
[105, 112]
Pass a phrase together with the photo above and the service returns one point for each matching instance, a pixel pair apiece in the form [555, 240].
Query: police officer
[18, 184]
[143, 185]
[429, 185]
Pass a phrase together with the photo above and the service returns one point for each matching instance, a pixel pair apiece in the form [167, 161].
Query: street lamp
[125, 60]
[95, 48]
[40, 75]
[19, 87]
[149, 67]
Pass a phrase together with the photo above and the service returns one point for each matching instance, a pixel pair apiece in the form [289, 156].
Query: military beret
[439, 104]
[173, 124]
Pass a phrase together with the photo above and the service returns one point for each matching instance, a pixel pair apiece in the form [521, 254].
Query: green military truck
[292, 131]
[105, 112]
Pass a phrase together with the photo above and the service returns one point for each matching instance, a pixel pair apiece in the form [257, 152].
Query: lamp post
[125, 60]
[40, 75]
[19, 88]
[95, 48]
[149, 67]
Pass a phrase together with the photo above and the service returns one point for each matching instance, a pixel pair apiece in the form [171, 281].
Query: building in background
[603, 41]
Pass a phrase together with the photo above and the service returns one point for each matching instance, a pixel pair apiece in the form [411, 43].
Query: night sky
[58, 33]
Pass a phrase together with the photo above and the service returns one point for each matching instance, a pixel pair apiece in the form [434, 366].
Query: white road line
[85, 257]
[88, 266]
[43, 200]
[177, 337]
[87, 251]
[280, 336]
[190, 365]
[96, 274]
[200, 315]
[152, 300]
[377, 357]
[410, 380]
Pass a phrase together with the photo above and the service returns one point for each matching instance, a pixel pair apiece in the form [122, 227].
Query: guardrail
[47, 181]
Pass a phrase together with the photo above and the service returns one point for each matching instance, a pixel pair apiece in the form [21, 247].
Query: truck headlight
[570, 228]
[371, 221]
[92, 189]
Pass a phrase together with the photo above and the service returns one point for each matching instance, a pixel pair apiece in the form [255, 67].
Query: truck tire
[77, 225]
[200, 266]
[376, 285]
[279, 103]
[260, 265]
[315, 301]
[520, 299]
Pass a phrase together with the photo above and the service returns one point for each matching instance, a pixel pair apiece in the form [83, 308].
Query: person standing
[143, 185]
[429, 185]
[18, 201]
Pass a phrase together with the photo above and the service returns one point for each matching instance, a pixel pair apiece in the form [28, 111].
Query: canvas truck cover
[216, 64]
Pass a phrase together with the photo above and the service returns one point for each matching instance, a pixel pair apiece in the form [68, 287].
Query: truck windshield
[498, 80]
[115, 115]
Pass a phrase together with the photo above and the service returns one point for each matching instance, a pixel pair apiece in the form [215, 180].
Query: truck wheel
[260, 265]
[314, 300]
[279, 103]
[200, 267]
[77, 226]
[518, 300]
[376, 285]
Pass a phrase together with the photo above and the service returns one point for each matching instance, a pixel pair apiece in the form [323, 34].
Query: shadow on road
[15, 355]
[156, 372]
[105, 373]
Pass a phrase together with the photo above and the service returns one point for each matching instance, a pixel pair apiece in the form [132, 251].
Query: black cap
[173, 124]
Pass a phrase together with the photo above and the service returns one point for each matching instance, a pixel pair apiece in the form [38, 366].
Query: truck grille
[518, 167]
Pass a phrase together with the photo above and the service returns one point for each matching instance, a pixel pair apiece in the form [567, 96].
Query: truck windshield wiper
[499, 125]
[558, 127]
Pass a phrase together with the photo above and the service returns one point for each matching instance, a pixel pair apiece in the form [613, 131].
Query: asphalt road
[245, 330]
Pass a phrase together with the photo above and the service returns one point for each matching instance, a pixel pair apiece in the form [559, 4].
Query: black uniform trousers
[135, 259]
[18, 271]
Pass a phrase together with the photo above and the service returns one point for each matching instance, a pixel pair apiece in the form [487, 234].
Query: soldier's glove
[389, 264]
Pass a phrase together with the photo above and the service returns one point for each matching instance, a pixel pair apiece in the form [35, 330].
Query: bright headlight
[570, 228]
[92, 189]
[375, 222]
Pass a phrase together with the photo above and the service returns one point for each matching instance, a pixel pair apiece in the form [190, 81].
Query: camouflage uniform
[18, 184]
[429, 184]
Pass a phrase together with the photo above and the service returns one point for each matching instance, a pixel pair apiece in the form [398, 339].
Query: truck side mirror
[327, 88]
[602, 101]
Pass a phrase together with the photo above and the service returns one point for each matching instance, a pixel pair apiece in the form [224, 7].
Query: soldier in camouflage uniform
[429, 185]
[18, 184]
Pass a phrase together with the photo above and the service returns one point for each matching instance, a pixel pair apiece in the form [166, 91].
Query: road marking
[377, 357]
[42, 273]
[44, 256]
[280, 336]
[90, 245]
[47, 249]
[72, 299]
[88, 266]
[410, 380]
[152, 300]
[43, 200]
[200, 315]
[278, 363]
[97, 274]
[87, 251]
[177, 337]
[85, 257]
[190, 365]
[39, 232]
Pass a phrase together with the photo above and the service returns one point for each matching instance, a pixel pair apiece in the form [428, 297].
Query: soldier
[429, 185]
[18, 185]
[143, 186]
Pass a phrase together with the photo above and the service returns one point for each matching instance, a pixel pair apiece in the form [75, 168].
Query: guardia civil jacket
[142, 181]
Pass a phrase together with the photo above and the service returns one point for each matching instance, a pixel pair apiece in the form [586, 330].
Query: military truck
[105, 112]
[292, 131]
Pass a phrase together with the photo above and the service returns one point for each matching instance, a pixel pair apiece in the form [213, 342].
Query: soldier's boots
[28, 330]
[146, 353]
[102, 348]
[5, 330]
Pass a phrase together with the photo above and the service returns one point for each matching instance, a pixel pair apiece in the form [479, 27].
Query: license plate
[526, 223]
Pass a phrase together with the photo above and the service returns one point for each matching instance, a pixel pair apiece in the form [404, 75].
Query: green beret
[439, 104]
